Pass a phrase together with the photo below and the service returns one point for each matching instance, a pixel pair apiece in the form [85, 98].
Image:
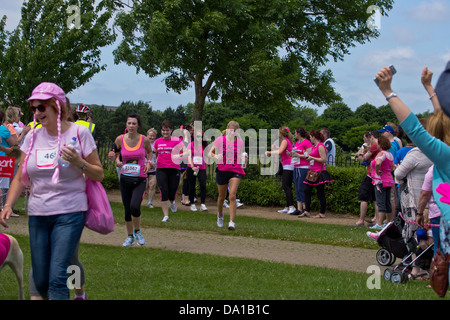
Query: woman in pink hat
[58, 201]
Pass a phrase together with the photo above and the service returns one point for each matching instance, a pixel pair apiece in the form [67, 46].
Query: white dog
[11, 255]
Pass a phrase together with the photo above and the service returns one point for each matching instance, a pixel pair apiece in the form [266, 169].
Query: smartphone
[394, 71]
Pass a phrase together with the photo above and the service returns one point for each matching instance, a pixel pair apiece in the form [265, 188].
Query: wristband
[392, 95]
[433, 95]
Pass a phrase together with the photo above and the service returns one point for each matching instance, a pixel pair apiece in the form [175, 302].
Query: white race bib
[46, 158]
[130, 169]
[198, 160]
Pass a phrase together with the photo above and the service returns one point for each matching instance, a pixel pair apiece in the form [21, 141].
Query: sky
[413, 36]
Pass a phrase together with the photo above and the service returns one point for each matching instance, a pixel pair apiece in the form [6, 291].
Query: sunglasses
[40, 107]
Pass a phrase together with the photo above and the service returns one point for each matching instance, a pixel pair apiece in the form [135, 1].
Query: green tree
[368, 112]
[266, 53]
[45, 46]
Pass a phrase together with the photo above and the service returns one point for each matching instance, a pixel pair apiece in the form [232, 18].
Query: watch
[392, 95]
[84, 166]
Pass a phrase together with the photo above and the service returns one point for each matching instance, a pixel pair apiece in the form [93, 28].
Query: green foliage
[44, 48]
[342, 193]
[232, 50]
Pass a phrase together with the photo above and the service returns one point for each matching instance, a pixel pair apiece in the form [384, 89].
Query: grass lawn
[115, 273]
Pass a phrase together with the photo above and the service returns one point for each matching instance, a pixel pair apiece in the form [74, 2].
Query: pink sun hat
[46, 91]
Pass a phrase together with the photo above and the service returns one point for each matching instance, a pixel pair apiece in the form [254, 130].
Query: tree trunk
[200, 96]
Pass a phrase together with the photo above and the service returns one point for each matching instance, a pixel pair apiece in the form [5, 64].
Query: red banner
[7, 167]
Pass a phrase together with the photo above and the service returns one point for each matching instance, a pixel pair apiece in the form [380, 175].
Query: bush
[342, 193]
[110, 179]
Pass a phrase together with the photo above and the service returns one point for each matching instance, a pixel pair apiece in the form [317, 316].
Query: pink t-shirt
[285, 159]
[197, 155]
[433, 209]
[165, 147]
[5, 244]
[301, 147]
[69, 194]
[317, 166]
[232, 155]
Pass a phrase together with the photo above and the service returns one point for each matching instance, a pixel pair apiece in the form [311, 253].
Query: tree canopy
[267, 54]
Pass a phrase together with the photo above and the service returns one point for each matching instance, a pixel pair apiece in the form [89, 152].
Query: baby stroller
[393, 246]
[400, 273]
[391, 242]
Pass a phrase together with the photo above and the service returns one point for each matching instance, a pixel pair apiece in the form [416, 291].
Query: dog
[11, 254]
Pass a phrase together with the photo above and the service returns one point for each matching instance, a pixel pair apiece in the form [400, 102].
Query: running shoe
[231, 225]
[285, 210]
[239, 203]
[173, 206]
[81, 297]
[292, 210]
[373, 235]
[225, 204]
[219, 221]
[165, 219]
[150, 204]
[203, 207]
[376, 226]
[139, 238]
[193, 207]
[128, 241]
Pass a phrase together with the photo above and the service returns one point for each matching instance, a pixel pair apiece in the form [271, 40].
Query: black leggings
[320, 194]
[287, 177]
[132, 190]
[201, 180]
[168, 180]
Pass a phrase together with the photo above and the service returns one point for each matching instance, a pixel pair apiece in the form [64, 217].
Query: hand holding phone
[394, 71]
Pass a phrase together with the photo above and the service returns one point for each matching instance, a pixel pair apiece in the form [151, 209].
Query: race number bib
[46, 158]
[131, 170]
[295, 160]
[198, 160]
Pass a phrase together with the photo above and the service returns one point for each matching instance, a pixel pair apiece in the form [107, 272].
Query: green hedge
[341, 194]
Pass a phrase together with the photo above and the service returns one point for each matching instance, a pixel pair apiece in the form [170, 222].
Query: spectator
[366, 190]
[301, 165]
[330, 146]
[410, 175]
[434, 141]
[398, 133]
[434, 214]
[388, 132]
[287, 177]
[383, 181]
[317, 159]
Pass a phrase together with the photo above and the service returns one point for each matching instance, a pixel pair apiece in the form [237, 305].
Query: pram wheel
[385, 257]
[398, 277]
[387, 274]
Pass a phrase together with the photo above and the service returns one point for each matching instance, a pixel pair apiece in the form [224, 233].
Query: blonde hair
[12, 114]
[152, 130]
[285, 132]
[438, 125]
[233, 124]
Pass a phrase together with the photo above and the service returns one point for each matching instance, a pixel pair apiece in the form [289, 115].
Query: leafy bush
[341, 194]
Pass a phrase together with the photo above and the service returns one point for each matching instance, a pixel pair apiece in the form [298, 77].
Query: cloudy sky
[414, 36]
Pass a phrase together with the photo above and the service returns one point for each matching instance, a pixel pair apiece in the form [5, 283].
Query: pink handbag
[99, 216]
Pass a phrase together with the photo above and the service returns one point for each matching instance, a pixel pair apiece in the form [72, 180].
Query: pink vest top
[133, 159]
[386, 177]
[316, 166]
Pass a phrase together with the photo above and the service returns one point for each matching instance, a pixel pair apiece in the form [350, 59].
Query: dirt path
[341, 258]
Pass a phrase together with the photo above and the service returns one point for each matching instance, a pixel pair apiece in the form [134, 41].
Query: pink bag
[99, 216]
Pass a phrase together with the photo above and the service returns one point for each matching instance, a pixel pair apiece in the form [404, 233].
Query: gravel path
[349, 259]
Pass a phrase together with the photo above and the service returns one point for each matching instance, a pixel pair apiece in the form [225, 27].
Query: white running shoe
[173, 206]
[225, 204]
[139, 238]
[239, 203]
[291, 210]
[219, 221]
[231, 225]
[128, 241]
[193, 207]
[285, 210]
[203, 207]
[165, 219]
